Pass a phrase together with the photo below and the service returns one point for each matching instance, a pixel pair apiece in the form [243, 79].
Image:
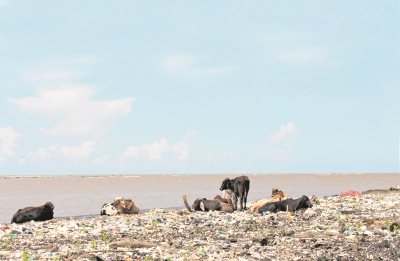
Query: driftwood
[131, 244]
[178, 215]
[186, 204]
[308, 234]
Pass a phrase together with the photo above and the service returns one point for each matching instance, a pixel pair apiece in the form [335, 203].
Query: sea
[84, 195]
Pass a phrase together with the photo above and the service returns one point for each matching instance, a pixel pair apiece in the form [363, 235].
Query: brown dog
[224, 200]
[279, 194]
[126, 206]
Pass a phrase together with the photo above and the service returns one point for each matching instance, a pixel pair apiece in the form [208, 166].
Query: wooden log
[131, 244]
[186, 204]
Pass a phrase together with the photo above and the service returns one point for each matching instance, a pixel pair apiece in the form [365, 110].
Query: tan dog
[259, 203]
[314, 200]
[126, 206]
[279, 194]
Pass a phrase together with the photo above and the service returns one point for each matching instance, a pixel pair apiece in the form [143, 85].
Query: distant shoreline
[139, 175]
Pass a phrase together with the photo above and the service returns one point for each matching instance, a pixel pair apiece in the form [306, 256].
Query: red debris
[5, 227]
[351, 193]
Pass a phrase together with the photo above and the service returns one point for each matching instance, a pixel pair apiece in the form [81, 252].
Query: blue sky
[99, 87]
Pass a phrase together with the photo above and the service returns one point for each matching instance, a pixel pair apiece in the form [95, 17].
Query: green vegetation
[106, 237]
[25, 256]
[5, 246]
[203, 251]
[184, 255]
[253, 226]
[271, 230]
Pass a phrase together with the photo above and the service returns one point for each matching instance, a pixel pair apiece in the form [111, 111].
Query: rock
[131, 244]
[394, 188]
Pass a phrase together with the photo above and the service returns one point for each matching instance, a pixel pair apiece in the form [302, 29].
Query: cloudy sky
[100, 87]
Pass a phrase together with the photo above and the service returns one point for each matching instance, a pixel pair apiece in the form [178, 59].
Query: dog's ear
[130, 204]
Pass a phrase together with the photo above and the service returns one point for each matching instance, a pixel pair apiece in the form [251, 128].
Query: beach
[82, 195]
[336, 228]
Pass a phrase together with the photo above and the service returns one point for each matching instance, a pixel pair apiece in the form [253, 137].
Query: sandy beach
[338, 228]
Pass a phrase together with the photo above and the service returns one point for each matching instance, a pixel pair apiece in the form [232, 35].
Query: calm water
[83, 195]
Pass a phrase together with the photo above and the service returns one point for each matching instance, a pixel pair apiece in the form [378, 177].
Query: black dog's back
[289, 204]
[271, 207]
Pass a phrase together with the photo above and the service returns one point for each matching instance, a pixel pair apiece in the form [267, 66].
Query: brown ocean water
[85, 195]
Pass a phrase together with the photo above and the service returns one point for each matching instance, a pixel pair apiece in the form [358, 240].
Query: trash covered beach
[338, 228]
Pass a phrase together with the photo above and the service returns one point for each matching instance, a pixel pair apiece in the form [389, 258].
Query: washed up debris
[395, 188]
[351, 193]
[339, 228]
[131, 244]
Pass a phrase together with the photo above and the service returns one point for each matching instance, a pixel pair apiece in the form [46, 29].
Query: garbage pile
[338, 228]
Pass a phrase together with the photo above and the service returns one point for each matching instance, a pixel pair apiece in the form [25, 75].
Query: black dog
[289, 204]
[40, 213]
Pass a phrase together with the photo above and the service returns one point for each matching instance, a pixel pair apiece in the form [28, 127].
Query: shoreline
[183, 207]
[373, 191]
[339, 228]
[12, 176]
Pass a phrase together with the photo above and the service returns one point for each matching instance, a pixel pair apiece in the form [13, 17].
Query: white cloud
[22, 161]
[100, 161]
[76, 153]
[279, 155]
[185, 66]
[132, 152]
[77, 115]
[181, 147]
[284, 132]
[156, 150]
[219, 157]
[152, 151]
[302, 55]
[192, 133]
[8, 138]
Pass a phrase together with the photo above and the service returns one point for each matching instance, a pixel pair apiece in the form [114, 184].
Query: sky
[142, 87]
